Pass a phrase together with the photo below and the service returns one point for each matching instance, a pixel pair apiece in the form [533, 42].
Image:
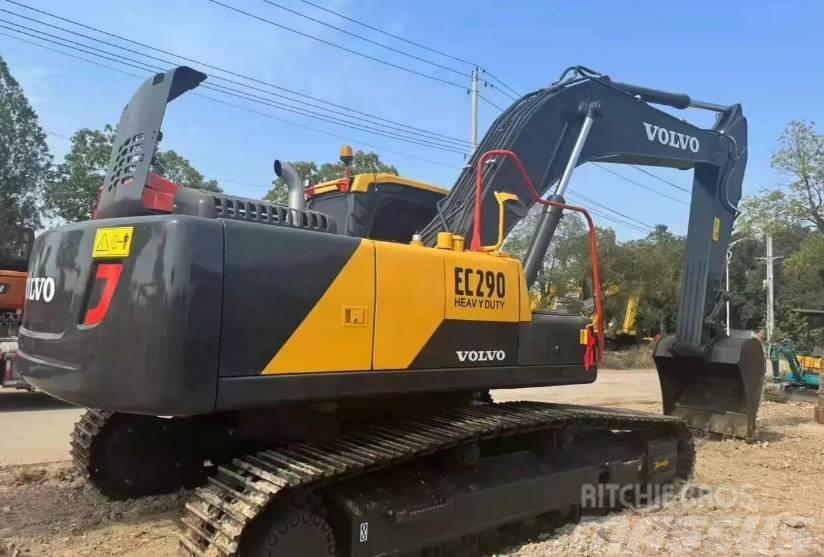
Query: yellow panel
[337, 333]
[113, 242]
[410, 302]
[481, 287]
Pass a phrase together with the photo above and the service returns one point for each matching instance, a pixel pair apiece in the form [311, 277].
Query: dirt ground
[746, 499]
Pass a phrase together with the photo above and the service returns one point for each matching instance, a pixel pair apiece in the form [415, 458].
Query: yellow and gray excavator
[322, 371]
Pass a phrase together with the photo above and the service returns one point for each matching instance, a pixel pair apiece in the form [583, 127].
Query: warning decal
[113, 242]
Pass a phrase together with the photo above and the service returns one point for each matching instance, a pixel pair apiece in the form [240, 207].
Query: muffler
[717, 392]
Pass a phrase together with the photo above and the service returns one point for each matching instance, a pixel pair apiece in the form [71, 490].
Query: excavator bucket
[717, 393]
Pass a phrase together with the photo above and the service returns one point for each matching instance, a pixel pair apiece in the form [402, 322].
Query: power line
[138, 64]
[330, 134]
[338, 46]
[387, 33]
[501, 83]
[348, 110]
[605, 207]
[648, 173]
[370, 41]
[416, 44]
[639, 184]
[501, 91]
[241, 107]
[615, 220]
[411, 42]
[490, 102]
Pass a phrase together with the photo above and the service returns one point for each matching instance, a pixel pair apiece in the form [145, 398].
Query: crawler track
[85, 431]
[215, 518]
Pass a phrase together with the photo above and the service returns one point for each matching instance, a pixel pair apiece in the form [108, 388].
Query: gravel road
[759, 499]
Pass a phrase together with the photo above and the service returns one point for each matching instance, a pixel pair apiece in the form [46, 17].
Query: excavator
[14, 260]
[320, 372]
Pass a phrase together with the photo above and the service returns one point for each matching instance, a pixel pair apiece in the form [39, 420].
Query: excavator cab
[378, 206]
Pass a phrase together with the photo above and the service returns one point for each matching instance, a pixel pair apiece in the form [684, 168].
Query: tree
[650, 268]
[768, 213]
[559, 276]
[362, 163]
[748, 298]
[803, 288]
[800, 157]
[72, 189]
[655, 271]
[172, 166]
[24, 163]
[279, 193]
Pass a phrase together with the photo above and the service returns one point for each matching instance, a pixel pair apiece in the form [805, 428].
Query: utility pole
[770, 290]
[727, 271]
[473, 134]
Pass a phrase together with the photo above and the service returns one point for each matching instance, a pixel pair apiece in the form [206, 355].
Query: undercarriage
[439, 480]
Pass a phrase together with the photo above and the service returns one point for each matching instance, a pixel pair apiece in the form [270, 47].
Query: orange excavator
[14, 259]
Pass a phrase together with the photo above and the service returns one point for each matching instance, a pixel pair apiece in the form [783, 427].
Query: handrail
[593, 243]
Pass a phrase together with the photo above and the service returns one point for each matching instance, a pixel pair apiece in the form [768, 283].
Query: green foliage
[279, 193]
[172, 166]
[650, 267]
[24, 162]
[800, 159]
[72, 189]
[561, 274]
[794, 216]
[362, 163]
[656, 266]
[804, 289]
[768, 213]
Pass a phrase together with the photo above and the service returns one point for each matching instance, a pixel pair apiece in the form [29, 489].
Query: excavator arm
[709, 379]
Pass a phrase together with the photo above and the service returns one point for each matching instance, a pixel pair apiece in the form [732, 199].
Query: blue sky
[765, 55]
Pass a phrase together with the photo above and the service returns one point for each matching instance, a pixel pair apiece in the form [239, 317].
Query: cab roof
[361, 183]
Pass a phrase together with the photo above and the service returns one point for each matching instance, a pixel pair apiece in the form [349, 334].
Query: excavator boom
[711, 380]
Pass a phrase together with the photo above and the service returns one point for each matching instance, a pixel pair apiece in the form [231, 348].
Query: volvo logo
[671, 138]
[481, 355]
[40, 289]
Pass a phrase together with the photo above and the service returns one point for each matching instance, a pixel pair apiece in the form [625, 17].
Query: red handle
[593, 243]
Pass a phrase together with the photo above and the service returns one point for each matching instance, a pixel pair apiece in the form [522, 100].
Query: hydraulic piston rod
[551, 216]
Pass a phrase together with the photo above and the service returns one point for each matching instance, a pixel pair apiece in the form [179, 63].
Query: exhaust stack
[294, 184]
